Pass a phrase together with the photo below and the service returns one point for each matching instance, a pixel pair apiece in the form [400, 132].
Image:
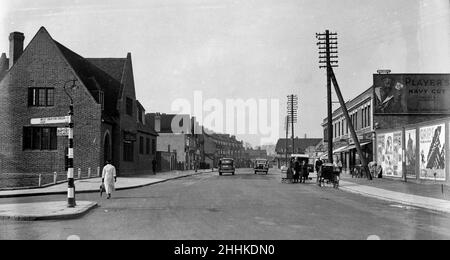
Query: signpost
[50, 120]
[63, 132]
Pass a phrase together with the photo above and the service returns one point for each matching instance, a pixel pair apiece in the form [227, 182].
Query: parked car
[261, 165]
[226, 165]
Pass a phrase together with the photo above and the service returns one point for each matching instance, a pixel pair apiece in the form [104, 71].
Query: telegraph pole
[292, 107]
[286, 143]
[328, 56]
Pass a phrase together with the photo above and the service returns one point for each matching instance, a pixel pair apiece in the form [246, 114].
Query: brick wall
[42, 65]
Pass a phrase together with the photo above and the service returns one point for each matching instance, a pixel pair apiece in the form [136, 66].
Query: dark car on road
[226, 165]
[261, 165]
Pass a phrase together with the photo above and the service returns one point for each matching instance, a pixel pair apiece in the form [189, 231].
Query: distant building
[302, 146]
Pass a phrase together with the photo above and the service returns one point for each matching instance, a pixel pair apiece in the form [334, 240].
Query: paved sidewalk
[59, 209]
[92, 185]
[44, 210]
[429, 196]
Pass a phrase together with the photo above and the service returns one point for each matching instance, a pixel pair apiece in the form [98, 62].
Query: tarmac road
[240, 207]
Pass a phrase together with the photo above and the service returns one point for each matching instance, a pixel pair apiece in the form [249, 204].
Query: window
[141, 145]
[128, 151]
[129, 106]
[41, 97]
[39, 138]
[369, 119]
[140, 115]
[153, 146]
[101, 99]
[147, 146]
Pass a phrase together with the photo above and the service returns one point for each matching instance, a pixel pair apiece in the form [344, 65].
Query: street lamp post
[70, 172]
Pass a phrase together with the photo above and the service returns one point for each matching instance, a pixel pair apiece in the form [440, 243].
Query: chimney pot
[16, 40]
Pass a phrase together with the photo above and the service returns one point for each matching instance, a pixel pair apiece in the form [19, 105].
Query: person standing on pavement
[318, 165]
[109, 178]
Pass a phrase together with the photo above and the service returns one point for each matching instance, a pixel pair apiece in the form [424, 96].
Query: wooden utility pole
[292, 107]
[328, 47]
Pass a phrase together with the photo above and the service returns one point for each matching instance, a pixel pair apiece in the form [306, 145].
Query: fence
[35, 180]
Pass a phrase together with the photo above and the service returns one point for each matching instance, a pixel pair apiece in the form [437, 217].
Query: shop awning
[350, 147]
[341, 149]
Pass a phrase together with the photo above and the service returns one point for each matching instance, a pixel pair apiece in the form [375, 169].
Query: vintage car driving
[261, 165]
[226, 165]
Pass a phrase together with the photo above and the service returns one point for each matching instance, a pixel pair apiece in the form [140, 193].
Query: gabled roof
[300, 144]
[93, 78]
[113, 66]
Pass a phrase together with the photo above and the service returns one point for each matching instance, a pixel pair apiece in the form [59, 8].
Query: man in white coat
[109, 178]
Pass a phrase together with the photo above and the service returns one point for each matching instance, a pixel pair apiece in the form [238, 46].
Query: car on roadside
[261, 165]
[226, 165]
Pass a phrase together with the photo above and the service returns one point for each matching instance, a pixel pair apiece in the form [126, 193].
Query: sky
[244, 49]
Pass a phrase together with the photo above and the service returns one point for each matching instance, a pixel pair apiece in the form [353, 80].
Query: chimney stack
[15, 47]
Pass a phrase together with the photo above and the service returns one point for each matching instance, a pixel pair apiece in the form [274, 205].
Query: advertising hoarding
[411, 93]
[411, 157]
[389, 150]
[432, 152]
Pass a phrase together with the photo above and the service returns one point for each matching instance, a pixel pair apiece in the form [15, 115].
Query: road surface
[240, 207]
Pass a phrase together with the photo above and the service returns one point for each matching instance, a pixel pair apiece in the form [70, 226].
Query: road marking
[73, 237]
[373, 237]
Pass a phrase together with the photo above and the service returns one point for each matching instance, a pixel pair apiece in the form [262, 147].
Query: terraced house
[109, 121]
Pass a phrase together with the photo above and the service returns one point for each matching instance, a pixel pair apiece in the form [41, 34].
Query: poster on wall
[432, 152]
[390, 154]
[380, 149]
[397, 152]
[410, 153]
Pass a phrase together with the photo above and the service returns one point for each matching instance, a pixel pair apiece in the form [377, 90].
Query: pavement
[435, 197]
[59, 209]
[44, 210]
[431, 196]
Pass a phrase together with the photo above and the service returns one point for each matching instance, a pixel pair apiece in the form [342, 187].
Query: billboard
[410, 153]
[432, 152]
[411, 93]
[389, 150]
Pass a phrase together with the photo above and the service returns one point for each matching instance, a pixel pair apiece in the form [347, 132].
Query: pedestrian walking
[109, 178]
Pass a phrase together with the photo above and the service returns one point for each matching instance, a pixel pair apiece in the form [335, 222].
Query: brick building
[109, 121]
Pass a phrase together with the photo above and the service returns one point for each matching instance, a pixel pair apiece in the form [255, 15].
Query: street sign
[51, 120]
[62, 131]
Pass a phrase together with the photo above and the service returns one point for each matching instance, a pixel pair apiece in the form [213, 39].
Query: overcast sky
[245, 49]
